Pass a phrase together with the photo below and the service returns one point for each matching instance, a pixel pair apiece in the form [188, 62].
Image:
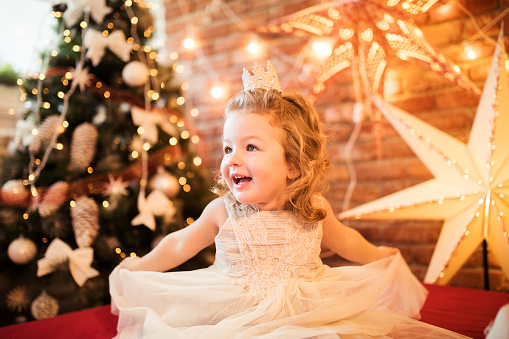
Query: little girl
[268, 225]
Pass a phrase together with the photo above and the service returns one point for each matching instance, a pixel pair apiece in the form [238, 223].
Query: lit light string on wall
[467, 45]
[254, 45]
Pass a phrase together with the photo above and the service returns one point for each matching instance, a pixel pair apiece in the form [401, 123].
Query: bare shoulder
[330, 218]
[328, 209]
[216, 210]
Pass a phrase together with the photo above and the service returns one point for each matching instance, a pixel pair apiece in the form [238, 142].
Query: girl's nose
[234, 160]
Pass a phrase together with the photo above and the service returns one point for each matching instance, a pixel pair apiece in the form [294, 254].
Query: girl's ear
[293, 173]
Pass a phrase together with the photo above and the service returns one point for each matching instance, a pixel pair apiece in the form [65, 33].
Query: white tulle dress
[268, 281]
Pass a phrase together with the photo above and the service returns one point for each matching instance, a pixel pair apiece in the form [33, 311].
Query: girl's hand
[129, 263]
[387, 251]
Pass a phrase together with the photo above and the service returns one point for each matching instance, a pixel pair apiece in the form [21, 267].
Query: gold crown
[261, 79]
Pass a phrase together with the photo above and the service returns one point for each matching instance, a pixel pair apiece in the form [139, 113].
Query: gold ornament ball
[135, 74]
[14, 193]
[44, 306]
[21, 251]
[166, 183]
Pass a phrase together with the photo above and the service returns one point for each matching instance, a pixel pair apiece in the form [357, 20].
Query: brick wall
[222, 56]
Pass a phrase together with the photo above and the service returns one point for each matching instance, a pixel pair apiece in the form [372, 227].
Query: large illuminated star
[470, 190]
[368, 31]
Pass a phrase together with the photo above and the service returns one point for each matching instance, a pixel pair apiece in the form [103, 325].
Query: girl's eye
[227, 150]
[251, 148]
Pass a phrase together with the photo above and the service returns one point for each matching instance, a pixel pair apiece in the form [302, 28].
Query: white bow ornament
[149, 121]
[79, 261]
[95, 43]
[98, 10]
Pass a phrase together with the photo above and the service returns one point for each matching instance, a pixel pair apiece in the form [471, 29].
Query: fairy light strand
[35, 174]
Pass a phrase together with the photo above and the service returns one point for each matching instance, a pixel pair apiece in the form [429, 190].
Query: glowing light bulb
[188, 43]
[470, 52]
[216, 92]
[252, 47]
[322, 48]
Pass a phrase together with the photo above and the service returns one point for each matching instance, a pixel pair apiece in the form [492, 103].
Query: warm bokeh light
[322, 48]
[216, 92]
[188, 43]
[252, 47]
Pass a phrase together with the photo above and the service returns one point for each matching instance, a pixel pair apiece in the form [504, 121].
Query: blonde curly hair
[303, 142]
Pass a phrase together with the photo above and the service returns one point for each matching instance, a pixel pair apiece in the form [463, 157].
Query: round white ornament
[135, 73]
[21, 250]
[14, 192]
[166, 183]
[44, 306]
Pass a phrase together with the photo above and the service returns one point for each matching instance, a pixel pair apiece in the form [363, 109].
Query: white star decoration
[116, 187]
[156, 204]
[471, 186]
[82, 77]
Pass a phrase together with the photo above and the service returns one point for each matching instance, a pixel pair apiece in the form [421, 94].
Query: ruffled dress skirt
[252, 292]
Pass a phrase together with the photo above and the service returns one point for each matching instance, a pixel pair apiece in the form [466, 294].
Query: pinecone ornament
[54, 198]
[45, 132]
[84, 140]
[85, 221]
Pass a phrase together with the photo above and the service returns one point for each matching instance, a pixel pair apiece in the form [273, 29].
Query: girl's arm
[349, 243]
[179, 246]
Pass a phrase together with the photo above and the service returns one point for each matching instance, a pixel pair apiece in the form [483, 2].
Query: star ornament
[156, 204]
[116, 187]
[81, 76]
[470, 188]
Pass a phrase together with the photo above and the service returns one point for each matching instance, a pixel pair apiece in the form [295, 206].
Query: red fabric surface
[462, 310]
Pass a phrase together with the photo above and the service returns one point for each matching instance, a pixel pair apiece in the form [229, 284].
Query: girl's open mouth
[238, 180]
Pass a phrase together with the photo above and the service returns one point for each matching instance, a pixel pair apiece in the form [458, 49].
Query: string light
[216, 92]
[252, 47]
[322, 48]
[470, 52]
[188, 43]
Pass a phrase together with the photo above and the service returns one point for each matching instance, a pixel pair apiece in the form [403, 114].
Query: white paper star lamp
[471, 186]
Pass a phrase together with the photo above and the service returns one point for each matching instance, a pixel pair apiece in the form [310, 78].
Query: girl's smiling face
[254, 165]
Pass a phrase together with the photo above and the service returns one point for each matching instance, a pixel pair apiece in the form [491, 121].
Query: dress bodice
[264, 247]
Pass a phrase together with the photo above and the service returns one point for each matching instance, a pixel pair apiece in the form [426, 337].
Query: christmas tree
[102, 166]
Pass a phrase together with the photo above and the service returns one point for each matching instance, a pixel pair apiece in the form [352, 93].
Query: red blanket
[461, 310]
